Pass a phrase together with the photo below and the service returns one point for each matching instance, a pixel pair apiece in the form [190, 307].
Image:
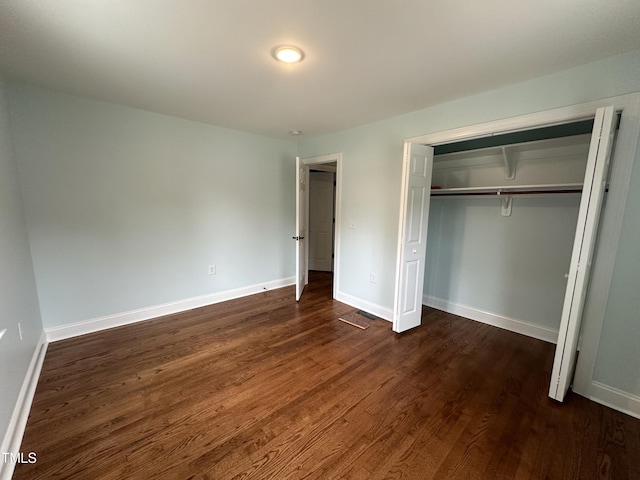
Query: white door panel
[414, 218]
[416, 215]
[412, 271]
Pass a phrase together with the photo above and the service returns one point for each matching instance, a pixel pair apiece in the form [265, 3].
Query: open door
[588, 218]
[412, 242]
[302, 269]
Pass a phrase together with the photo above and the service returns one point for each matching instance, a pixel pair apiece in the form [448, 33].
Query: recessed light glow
[287, 54]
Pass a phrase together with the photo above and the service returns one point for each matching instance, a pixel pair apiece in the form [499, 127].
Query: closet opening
[502, 223]
[501, 228]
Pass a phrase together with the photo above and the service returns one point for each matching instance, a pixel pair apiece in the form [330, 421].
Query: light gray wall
[512, 266]
[18, 295]
[126, 209]
[371, 187]
[618, 360]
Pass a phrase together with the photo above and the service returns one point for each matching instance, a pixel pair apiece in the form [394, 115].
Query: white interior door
[412, 249]
[588, 218]
[302, 270]
[321, 221]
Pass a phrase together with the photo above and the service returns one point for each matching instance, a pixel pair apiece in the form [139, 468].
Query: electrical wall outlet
[212, 269]
[352, 223]
[372, 277]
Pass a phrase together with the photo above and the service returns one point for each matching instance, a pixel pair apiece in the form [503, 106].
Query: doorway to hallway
[318, 186]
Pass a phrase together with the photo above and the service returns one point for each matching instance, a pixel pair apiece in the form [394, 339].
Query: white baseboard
[512, 324]
[125, 318]
[372, 308]
[18, 422]
[613, 398]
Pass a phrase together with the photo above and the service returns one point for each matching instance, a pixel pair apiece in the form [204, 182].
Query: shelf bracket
[509, 164]
[507, 202]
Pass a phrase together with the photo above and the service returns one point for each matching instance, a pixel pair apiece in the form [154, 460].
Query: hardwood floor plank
[264, 387]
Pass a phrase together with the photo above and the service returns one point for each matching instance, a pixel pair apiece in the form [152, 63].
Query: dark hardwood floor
[262, 387]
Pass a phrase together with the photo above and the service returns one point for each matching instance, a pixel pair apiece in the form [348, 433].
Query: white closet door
[588, 217]
[302, 270]
[414, 218]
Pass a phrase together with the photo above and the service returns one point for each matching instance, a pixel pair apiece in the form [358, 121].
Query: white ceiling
[209, 60]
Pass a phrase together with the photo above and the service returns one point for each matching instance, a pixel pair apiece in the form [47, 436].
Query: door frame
[610, 225]
[322, 159]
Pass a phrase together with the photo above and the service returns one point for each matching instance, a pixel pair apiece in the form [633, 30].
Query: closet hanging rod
[502, 193]
[509, 189]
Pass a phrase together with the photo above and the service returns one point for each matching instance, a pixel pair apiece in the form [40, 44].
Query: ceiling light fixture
[287, 54]
[295, 133]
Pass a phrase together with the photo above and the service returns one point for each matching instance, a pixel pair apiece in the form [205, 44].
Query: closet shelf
[510, 189]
